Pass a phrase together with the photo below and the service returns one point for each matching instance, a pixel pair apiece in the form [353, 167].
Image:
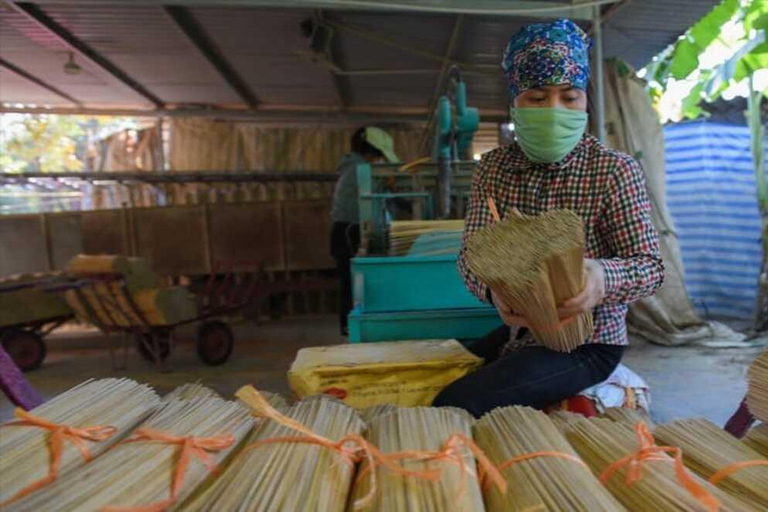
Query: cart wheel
[215, 342]
[144, 345]
[26, 348]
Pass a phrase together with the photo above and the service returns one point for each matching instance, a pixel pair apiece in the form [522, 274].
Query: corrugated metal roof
[267, 51]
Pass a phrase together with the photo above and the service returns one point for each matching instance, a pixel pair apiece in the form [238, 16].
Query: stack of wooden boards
[193, 450]
[137, 298]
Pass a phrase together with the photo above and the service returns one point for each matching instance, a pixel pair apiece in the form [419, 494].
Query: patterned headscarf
[547, 54]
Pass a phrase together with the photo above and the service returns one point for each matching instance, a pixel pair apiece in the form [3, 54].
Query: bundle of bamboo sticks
[28, 444]
[640, 476]
[161, 463]
[628, 416]
[757, 394]
[289, 472]
[544, 472]
[190, 391]
[403, 234]
[757, 439]
[535, 263]
[712, 453]
[430, 432]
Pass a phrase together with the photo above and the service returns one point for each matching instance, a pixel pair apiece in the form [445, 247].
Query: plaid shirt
[606, 189]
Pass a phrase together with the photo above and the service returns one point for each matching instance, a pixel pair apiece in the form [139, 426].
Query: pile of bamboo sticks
[544, 472]
[403, 234]
[711, 452]
[757, 394]
[535, 263]
[27, 444]
[639, 474]
[757, 439]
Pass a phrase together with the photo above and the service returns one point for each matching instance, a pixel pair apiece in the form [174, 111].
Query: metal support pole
[598, 67]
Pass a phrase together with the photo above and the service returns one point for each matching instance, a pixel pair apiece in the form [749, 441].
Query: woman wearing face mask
[555, 164]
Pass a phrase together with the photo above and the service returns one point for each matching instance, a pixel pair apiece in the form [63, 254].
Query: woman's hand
[590, 297]
[506, 313]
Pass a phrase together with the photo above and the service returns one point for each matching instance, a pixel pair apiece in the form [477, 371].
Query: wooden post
[758, 157]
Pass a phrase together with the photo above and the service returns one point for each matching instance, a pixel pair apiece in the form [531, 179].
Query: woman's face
[553, 96]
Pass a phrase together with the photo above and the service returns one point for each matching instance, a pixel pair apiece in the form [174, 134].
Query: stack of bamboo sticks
[184, 437]
[190, 391]
[757, 394]
[403, 234]
[757, 439]
[709, 451]
[430, 432]
[640, 476]
[290, 472]
[535, 264]
[544, 472]
[629, 416]
[27, 449]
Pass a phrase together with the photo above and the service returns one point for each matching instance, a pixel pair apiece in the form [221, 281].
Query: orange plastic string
[648, 451]
[58, 434]
[190, 447]
[536, 455]
[354, 448]
[732, 468]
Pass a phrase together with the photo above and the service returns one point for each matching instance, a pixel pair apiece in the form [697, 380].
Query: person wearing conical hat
[369, 144]
[552, 164]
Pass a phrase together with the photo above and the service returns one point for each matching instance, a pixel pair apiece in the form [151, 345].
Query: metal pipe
[598, 66]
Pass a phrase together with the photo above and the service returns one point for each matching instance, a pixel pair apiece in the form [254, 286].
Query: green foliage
[685, 57]
[692, 104]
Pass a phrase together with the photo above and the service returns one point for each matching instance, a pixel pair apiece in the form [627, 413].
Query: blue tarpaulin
[712, 197]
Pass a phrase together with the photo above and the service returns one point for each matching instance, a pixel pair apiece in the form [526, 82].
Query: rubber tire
[146, 354]
[214, 342]
[26, 348]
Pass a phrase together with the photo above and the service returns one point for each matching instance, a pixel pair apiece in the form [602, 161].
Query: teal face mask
[548, 134]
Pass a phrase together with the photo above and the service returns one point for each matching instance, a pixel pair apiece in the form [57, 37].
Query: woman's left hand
[591, 296]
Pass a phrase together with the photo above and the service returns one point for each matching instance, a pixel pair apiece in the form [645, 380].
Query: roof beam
[37, 81]
[205, 45]
[36, 14]
[340, 84]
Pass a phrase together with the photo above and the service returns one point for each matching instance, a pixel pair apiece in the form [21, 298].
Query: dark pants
[345, 241]
[533, 376]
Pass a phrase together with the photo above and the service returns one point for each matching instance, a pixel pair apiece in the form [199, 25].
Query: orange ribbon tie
[58, 434]
[190, 447]
[732, 468]
[649, 451]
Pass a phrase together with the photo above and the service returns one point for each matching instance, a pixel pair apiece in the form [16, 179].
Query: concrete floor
[685, 382]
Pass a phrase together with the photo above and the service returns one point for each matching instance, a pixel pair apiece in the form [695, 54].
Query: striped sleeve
[635, 268]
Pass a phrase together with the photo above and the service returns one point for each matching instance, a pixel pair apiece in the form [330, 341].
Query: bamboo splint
[96, 414]
[161, 463]
[757, 393]
[641, 473]
[281, 468]
[757, 439]
[543, 471]
[403, 234]
[535, 264]
[442, 463]
[719, 457]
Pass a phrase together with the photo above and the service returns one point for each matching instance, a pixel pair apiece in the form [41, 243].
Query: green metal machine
[417, 296]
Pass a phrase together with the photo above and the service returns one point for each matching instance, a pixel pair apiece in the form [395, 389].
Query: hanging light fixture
[71, 67]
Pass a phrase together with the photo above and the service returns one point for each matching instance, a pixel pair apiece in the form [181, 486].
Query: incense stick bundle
[424, 429]
[757, 394]
[629, 416]
[26, 457]
[141, 473]
[190, 391]
[535, 264]
[287, 476]
[403, 234]
[548, 482]
[368, 414]
[602, 442]
[757, 439]
[708, 449]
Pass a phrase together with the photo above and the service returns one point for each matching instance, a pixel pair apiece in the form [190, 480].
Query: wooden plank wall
[291, 238]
